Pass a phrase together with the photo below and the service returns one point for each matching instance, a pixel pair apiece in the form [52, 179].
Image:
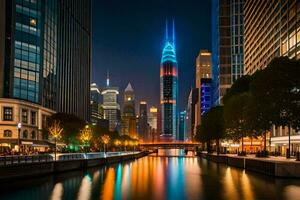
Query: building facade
[227, 45]
[29, 136]
[169, 89]
[143, 128]
[190, 114]
[128, 116]
[95, 105]
[272, 29]
[152, 121]
[41, 57]
[203, 84]
[41, 60]
[182, 126]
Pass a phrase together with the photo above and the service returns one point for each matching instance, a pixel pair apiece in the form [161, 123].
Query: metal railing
[26, 159]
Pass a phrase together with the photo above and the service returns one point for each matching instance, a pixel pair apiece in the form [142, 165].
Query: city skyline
[134, 45]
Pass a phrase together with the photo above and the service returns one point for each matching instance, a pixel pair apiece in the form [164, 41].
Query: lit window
[24, 116]
[7, 133]
[8, 114]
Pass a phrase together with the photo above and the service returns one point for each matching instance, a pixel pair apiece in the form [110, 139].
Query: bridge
[191, 146]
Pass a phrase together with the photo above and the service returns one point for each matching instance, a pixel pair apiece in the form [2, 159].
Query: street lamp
[19, 132]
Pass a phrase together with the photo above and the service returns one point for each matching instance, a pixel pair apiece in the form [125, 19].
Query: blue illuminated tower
[169, 89]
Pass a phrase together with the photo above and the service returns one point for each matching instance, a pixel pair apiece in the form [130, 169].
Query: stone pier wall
[37, 169]
[259, 165]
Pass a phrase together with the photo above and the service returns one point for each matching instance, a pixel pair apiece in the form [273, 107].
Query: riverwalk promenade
[36, 165]
[272, 166]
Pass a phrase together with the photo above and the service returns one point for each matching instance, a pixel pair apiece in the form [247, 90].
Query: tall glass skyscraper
[169, 88]
[227, 45]
[46, 52]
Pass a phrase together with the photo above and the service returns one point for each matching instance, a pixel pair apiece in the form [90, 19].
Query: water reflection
[156, 177]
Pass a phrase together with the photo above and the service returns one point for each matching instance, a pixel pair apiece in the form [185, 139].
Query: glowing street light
[19, 131]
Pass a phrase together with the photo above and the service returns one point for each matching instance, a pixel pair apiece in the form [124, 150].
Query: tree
[86, 136]
[235, 115]
[277, 92]
[240, 86]
[71, 125]
[55, 131]
[212, 127]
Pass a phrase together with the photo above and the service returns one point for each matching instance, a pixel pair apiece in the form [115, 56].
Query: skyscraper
[278, 34]
[95, 104]
[227, 45]
[272, 29]
[143, 122]
[169, 88]
[128, 115]
[190, 113]
[203, 85]
[152, 121]
[182, 126]
[111, 108]
[43, 61]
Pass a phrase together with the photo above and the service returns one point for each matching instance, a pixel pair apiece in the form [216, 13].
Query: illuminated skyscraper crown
[169, 50]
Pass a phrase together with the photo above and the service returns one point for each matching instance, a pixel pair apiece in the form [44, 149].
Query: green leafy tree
[276, 90]
[236, 117]
[212, 127]
[71, 125]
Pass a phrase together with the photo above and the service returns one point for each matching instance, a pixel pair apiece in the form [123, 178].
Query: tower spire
[107, 78]
[173, 39]
[167, 34]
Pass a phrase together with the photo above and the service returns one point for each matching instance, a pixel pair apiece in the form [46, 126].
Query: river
[166, 175]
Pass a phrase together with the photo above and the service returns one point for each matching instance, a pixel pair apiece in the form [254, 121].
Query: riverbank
[268, 166]
[23, 170]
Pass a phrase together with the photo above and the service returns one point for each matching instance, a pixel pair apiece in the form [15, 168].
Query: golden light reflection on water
[229, 185]
[246, 187]
[57, 192]
[108, 186]
[85, 188]
[173, 178]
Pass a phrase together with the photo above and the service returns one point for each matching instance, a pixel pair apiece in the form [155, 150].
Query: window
[33, 135]
[7, 133]
[24, 116]
[25, 134]
[33, 118]
[8, 114]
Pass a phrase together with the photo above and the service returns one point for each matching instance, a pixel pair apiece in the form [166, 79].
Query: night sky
[128, 37]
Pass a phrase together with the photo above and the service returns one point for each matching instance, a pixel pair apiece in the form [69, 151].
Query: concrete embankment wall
[267, 167]
[37, 169]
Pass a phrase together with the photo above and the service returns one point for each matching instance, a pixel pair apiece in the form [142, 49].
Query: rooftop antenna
[107, 78]
[174, 43]
[167, 34]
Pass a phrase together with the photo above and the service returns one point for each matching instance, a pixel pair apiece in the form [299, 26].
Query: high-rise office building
[152, 121]
[203, 84]
[96, 114]
[41, 61]
[169, 88]
[271, 29]
[152, 118]
[190, 114]
[182, 126]
[111, 107]
[143, 121]
[128, 115]
[227, 45]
